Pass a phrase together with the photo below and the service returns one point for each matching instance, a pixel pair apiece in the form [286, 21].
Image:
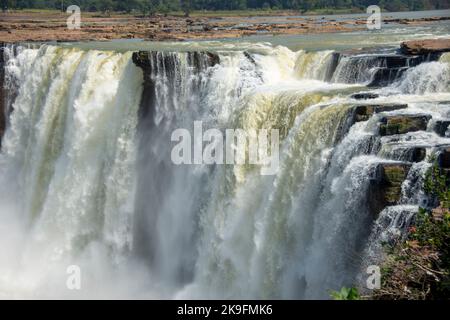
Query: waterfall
[315, 65]
[12, 75]
[67, 158]
[87, 177]
[425, 78]
[428, 77]
[357, 69]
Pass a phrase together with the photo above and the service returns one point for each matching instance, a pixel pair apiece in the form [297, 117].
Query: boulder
[441, 127]
[364, 112]
[200, 60]
[411, 154]
[443, 158]
[428, 202]
[249, 57]
[386, 185]
[144, 59]
[401, 124]
[386, 76]
[364, 96]
[418, 154]
[423, 47]
[385, 66]
[335, 57]
[197, 60]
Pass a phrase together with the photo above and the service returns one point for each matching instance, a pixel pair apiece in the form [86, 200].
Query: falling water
[87, 178]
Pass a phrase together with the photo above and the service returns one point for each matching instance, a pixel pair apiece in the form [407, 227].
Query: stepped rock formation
[424, 47]
[386, 184]
[364, 112]
[403, 124]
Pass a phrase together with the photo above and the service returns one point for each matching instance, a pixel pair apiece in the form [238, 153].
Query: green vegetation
[419, 267]
[186, 6]
[345, 294]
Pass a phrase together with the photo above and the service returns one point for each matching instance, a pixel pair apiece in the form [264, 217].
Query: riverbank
[31, 26]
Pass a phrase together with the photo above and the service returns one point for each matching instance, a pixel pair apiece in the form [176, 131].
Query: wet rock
[363, 113]
[446, 172]
[443, 158]
[386, 76]
[364, 96]
[202, 60]
[207, 27]
[384, 66]
[386, 185]
[423, 47]
[141, 59]
[416, 154]
[400, 124]
[213, 58]
[146, 60]
[409, 153]
[249, 57]
[196, 59]
[428, 202]
[334, 62]
[441, 127]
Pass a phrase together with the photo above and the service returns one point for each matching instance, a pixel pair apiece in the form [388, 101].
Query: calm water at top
[388, 35]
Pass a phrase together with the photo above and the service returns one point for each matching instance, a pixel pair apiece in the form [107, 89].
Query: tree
[106, 5]
[165, 6]
[186, 7]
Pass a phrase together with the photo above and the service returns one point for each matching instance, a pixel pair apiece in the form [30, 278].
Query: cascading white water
[67, 158]
[426, 77]
[357, 69]
[87, 179]
[314, 65]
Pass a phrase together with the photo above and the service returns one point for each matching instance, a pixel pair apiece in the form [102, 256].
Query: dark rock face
[443, 158]
[441, 127]
[142, 60]
[196, 59]
[423, 47]
[401, 124]
[396, 65]
[410, 154]
[333, 65]
[386, 185]
[428, 202]
[385, 76]
[152, 62]
[249, 57]
[363, 113]
[377, 66]
[418, 154]
[364, 96]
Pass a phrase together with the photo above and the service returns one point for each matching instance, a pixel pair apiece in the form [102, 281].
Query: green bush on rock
[419, 267]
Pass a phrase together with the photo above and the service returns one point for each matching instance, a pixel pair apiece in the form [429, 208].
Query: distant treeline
[166, 6]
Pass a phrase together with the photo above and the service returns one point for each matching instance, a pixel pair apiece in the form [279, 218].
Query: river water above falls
[86, 175]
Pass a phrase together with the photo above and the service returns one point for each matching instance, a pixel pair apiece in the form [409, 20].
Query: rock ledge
[421, 47]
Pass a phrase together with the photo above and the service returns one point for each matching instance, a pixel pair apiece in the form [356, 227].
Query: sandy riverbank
[51, 26]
